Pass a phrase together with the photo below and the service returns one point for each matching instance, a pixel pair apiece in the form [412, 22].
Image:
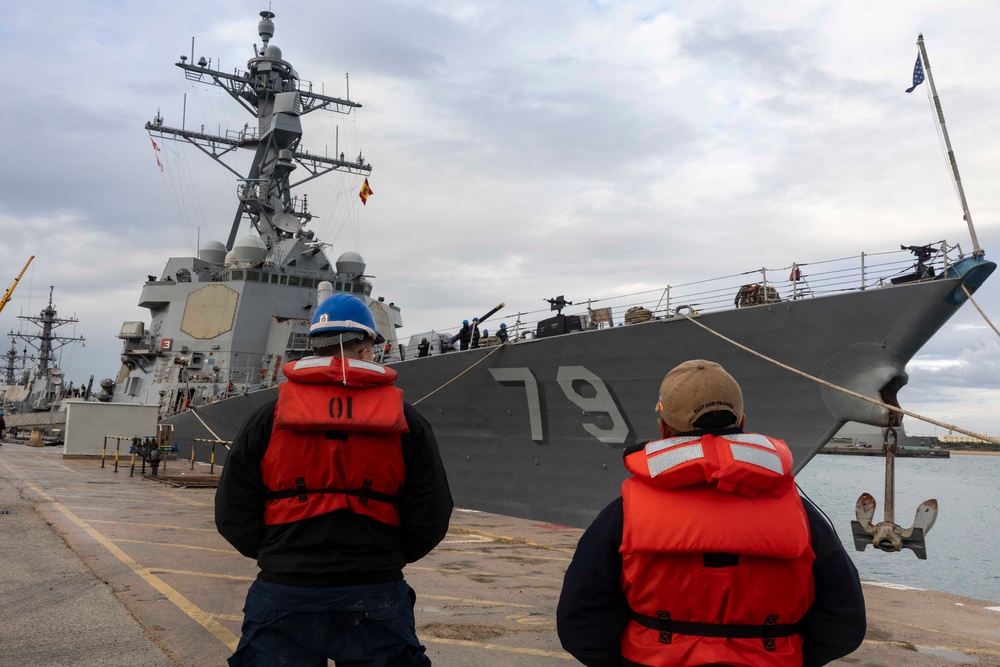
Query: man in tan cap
[710, 556]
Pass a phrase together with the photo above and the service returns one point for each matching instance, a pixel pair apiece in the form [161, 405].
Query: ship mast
[272, 92]
[47, 342]
[11, 365]
[976, 250]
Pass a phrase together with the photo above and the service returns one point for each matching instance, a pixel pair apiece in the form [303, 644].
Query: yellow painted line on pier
[488, 603]
[512, 541]
[133, 522]
[477, 539]
[174, 545]
[512, 557]
[229, 617]
[195, 573]
[497, 647]
[453, 570]
[200, 617]
[118, 508]
[184, 501]
[458, 570]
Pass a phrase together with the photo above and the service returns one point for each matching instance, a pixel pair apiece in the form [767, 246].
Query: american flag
[918, 74]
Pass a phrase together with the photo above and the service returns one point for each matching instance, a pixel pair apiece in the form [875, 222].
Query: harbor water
[963, 547]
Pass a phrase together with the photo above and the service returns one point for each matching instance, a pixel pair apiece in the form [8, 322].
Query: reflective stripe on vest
[749, 464]
[716, 553]
[677, 451]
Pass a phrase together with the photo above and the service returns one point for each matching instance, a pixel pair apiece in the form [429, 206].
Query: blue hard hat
[465, 321]
[503, 326]
[342, 313]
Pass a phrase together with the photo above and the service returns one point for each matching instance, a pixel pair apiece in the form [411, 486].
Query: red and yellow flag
[157, 149]
[365, 193]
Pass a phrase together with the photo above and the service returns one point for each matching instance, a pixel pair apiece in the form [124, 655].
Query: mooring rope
[873, 401]
[968, 294]
[485, 357]
[214, 434]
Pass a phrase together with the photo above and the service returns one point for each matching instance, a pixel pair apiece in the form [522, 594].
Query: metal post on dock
[118, 447]
[104, 451]
[164, 438]
[211, 469]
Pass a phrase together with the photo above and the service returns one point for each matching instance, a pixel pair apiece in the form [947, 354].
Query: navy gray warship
[534, 426]
[33, 387]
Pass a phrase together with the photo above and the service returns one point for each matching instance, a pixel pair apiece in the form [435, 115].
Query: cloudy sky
[521, 150]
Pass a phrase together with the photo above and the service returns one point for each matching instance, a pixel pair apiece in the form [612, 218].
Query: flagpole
[976, 250]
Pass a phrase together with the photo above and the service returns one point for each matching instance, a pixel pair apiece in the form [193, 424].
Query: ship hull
[536, 429]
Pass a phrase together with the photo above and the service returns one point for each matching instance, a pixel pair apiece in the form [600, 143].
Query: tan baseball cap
[695, 388]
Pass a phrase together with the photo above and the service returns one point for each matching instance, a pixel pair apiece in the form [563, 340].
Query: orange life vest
[716, 553]
[335, 446]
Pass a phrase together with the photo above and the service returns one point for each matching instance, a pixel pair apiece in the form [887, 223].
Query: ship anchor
[888, 535]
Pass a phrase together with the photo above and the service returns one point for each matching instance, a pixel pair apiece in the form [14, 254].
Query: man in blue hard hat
[333, 488]
[463, 336]
[474, 344]
[502, 333]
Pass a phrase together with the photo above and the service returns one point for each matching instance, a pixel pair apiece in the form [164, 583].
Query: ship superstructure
[224, 322]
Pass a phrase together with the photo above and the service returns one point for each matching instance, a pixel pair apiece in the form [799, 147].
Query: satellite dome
[351, 263]
[272, 51]
[230, 257]
[213, 252]
[250, 249]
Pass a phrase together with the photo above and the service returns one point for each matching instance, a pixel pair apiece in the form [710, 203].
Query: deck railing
[793, 282]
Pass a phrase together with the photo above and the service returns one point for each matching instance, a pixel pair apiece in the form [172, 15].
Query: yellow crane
[10, 291]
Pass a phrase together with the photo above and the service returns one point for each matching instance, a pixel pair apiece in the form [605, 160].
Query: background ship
[34, 386]
[534, 427]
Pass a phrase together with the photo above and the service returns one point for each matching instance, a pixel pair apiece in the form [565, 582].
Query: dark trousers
[356, 626]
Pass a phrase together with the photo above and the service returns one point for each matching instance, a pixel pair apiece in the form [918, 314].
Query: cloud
[520, 150]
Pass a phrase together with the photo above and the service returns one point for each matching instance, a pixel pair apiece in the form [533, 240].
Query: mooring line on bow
[485, 357]
[214, 434]
[973, 301]
[849, 392]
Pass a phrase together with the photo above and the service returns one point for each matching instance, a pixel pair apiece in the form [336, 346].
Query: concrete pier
[100, 568]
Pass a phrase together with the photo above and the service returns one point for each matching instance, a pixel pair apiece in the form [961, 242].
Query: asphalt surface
[103, 568]
[53, 609]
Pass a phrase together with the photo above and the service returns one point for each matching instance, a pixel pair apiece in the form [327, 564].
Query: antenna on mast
[976, 250]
